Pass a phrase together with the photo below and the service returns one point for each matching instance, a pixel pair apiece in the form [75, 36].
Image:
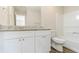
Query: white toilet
[57, 43]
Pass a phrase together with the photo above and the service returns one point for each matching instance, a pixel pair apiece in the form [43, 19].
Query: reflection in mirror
[29, 16]
[20, 12]
[20, 20]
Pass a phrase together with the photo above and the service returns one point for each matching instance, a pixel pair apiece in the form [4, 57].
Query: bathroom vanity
[25, 41]
[22, 29]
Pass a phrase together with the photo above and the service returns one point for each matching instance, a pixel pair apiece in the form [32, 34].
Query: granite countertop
[11, 28]
[23, 29]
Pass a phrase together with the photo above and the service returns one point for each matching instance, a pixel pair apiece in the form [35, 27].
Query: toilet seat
[57, 43]
[58, 40]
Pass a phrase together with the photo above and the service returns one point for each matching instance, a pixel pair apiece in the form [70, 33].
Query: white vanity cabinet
[20, 45]
[26, 42]
[20, 42]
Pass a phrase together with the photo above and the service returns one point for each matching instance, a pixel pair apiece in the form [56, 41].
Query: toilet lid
[58, 39]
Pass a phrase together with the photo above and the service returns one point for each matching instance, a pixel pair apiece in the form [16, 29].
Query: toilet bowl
[58, 40]
[57, 43]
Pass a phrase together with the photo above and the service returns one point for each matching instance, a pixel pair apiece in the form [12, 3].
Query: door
[28, 45]
[12, 45]
[43, 42]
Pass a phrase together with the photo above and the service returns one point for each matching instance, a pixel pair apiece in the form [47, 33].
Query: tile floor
[65, 50]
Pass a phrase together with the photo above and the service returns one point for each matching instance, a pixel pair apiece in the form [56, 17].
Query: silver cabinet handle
[23, 39]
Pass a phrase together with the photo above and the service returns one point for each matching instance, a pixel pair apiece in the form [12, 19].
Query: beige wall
[68, 9]
[52, 18]
[48, 17]
[6, 15]
[59, 20]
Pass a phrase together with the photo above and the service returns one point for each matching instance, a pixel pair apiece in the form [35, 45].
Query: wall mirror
[20, 15]
[27, 15]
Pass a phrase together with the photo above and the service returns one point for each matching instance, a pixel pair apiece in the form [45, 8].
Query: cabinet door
[43, 43]
[19, 45]
[11, 46]
[1, 42]
[28, 45]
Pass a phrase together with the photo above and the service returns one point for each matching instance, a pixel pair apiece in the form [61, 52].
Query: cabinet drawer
[26, 33]
[16, 34]
[42, 33]
[9, 35]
